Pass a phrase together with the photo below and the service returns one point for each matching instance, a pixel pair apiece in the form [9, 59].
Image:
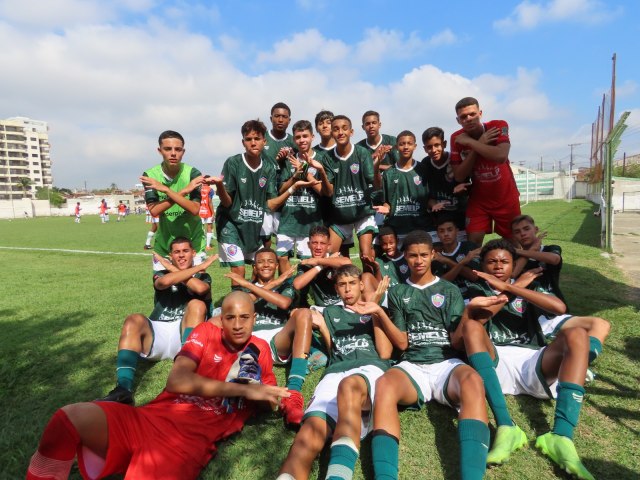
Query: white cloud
[628, 88]
[528, 15]
[307, 46]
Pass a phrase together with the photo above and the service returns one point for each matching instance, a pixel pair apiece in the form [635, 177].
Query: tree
[24, 182]
[54, 197]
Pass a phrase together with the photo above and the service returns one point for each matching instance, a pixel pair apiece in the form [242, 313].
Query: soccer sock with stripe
[209, 238]
[126, 364]
[595, 349]
[384, 453]
[343, 459]
[473, 436]
[185, 334]
[568, 405]
[483, 364]
[297, 373]
[57, 449]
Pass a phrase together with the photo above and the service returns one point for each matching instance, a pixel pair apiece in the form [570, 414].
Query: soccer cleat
[317, 359]
[148, 247]
[293, 409]
[590, 377]
[563, 452]
[249, 371]
[120, 395]
[508, 440]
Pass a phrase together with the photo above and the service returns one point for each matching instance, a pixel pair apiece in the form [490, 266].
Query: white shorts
[231, 255]
[324, 402]
[285, 245]
[519, 372]
[207, 220]
[551, 325]
[364, 225]
[167, 340]
[121, 214]
[268, 336]
[155, 219]
[270, 223]
[431, 381]
[197, 260]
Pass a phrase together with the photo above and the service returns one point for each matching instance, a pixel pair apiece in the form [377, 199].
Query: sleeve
[159, 274]
[285, 174]
[287, 289]
[504, 131]
[553, 249]
[195, 193]
[197, 342]
[385, 188]
[205, 277]
[229, 177]
[456, 308]
[150, 195]
[272, 184]
[367, 166]
[454, 154]
[328, 169]
[395, 309]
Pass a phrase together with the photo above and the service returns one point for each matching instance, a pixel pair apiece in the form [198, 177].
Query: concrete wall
[40, 208]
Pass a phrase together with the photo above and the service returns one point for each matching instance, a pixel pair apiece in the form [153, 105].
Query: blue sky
[110, 76]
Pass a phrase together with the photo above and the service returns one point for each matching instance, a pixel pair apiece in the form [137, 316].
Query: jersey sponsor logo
[404, 268]
[395, 181]
[243, 180]
[232, 250]
[437, 300]
[365, 318]
[336, 320]
[417, 180]
[262, 182]
[194, 341]
[355, 168]
[217, 358]
[406, 300]
[518, 305]
[336, 170]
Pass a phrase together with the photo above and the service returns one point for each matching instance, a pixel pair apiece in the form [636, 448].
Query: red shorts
[481, 218]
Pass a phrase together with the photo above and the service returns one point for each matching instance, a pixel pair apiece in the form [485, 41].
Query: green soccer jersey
[441, 184]
[322, 288]
[273, 146]
[301, 211]
[170, 304]
[249, 188]
[268, 316]
[428, 313]
[395, 268]
[352, 340]
[352, 179]
[407, 193]
[389, 159]
[457, 255]
[516, 323]
[550, 278]
[175, 221]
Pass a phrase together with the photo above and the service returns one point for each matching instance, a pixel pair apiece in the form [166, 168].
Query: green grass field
[61, 313]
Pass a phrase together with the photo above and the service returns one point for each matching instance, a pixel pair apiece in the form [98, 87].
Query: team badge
[262, 182]
[417, 180]
[404, 268]
[505, 131]
[243, 180]
[437, 300]
[365, 318]
[460, 257]
[518, 305]
[232, 250]
[312, 171]
[355, 168]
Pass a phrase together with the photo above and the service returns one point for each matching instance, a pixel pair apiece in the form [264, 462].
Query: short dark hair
[180, 240]
[386, 230]
[498, 244]
[370, 113]
[406, 133]
[323, 115]
[466, 102]
[431, 132]
[170, 134]
[445, 218]
[342, 117]
[319, 230]
[253, 126]
[417, 237]
[349, 270]
[523, 218]
[302, 125]
[281, 105]
[264, 250]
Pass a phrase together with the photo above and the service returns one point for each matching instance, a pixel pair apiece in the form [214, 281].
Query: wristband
[318, 267]
[291, 190]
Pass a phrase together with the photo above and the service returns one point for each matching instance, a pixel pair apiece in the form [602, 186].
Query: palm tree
[24, 183]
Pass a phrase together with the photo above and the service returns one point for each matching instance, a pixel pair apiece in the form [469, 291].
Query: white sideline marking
[65, 250]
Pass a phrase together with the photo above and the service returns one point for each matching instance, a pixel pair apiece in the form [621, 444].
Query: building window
[34, 155]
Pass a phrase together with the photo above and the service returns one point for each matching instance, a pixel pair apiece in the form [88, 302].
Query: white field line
[66, 250]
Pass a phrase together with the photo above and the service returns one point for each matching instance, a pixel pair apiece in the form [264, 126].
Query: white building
[24, 153]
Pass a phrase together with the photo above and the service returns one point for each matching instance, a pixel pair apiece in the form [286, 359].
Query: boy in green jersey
[323, 127]
[340, 407]
[378, 144]
[507, 349]
[172, 193]
[426, 312]
[182, 298]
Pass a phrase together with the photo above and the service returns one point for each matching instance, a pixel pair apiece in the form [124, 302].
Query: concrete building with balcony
[24, 153]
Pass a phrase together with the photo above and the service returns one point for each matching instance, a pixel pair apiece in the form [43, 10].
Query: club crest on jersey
[460, 257]
[505, 131]
[417, 180]
[243, 180]
[355, 168]
[437, 300]
[518, 305]
[404, 268]
[262, 182]
[365, 318]
[232, 250]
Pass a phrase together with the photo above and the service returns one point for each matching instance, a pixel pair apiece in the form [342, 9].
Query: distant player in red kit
[206, 211]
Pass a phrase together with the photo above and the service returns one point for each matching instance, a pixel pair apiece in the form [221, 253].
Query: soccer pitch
[67, 288]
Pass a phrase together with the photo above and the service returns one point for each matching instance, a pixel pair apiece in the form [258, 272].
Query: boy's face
[469, 118]
[319, 246]
[406, 146]
[182, 255]
[349, 289]
[341, 131]
[237, 319]
[280, 120]
[371, 125]
[498, 263]
[524, 233]
[323, 127]
[253, 143]
[435, 148]
[389, 244]
[303, 140]
[172, 151]
[264, 266]
[447, 233]
[419, 257]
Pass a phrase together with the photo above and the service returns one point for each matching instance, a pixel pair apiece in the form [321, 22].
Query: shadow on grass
[446, 438]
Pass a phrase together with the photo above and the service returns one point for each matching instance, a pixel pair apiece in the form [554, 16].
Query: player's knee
[602, 326]
[196, 309]
[351, 389]
[471, 329]
[575, 338]
[385, 391]
[471, 386]
[310, 438]
[134, 324]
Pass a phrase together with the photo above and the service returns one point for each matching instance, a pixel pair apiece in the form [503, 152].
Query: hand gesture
[267, 393]
[213, 180]
[477, 308]
[284, 152]
[315, 164]
[440, 205]
[489, 136]
[365, 308]
[461, 187]
[208, 262]
[239, 279]
[305, 183]
[382, 209]
[152, 183]
[525, 278]
[166, 264]
[494, 282]
[471, 255]
[382, 288]
[310, 261]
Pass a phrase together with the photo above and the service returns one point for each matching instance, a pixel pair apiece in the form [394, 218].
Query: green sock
[297, 373]
[343, 459]
[185, 334]
[568, 406]
[483, 364]
[384, 453]
[473, 436]
[126, 363]
[595, 349]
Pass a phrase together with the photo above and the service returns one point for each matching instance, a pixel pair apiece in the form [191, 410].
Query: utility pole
[541, 165]
[624, 163]
[571, 145]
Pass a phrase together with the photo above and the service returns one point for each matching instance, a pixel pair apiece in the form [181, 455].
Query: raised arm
[156, 208]
[256, 291]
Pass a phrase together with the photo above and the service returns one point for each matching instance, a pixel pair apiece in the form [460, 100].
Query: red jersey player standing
[481, 150]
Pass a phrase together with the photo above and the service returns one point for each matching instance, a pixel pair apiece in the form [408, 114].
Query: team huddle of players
[431, 316]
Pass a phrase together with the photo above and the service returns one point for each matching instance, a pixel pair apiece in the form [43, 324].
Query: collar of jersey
[422, 287]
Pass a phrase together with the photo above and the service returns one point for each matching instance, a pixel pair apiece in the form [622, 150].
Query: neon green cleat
[508, 440]
[563, 452]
